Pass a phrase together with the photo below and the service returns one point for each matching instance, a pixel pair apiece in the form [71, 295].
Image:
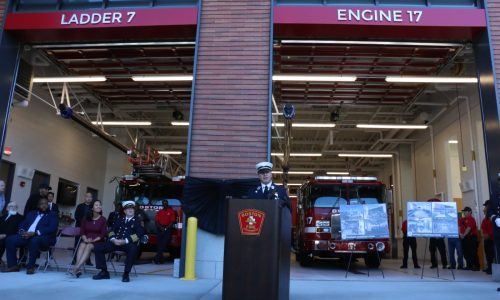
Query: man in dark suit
[53, 207]
[9, 225]
[38, 230]
[32, 202]
[125, 236]
[267, 189]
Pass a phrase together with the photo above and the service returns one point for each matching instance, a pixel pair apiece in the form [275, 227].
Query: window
[67, 192]
[37, 4]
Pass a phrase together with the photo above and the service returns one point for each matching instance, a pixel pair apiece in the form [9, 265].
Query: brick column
[231, 95]
[230, 105]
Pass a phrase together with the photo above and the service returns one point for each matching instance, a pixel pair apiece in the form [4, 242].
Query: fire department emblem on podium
[251, 221]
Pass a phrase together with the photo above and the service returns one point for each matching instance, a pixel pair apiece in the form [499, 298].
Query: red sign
[251, 221]
[102, 18]
[7, 151]
[456, 17]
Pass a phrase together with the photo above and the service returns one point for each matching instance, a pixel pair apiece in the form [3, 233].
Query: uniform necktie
[266, 190]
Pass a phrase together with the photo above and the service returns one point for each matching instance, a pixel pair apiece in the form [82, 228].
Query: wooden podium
[257, 250]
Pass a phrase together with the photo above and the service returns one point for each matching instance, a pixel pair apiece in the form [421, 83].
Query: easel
[437, 267]
[368, 269]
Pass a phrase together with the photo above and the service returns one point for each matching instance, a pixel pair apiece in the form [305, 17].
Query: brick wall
[3, 7]
[230, 121]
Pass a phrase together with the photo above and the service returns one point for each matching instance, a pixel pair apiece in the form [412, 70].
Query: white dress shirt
[35, 224]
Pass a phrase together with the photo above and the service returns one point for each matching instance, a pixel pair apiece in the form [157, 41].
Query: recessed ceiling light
[337, 173]
[180, 123]
[453, 142]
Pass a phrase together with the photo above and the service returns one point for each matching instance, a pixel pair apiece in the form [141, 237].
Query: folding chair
[143, 240]
[71, 232]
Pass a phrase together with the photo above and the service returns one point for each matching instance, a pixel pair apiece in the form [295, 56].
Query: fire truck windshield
[147, 194]
[334, 195]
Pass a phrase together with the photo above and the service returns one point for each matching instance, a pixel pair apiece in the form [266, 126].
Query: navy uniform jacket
[131, 231]
[275, 192]
[47, 226]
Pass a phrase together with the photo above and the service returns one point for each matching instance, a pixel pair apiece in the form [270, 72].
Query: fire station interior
[43, 139]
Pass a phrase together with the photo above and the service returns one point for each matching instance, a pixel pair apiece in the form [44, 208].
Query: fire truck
[318, 232]
[147, 186]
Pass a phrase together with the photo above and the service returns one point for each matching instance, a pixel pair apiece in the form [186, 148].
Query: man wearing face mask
[38, 230]
[9, 224]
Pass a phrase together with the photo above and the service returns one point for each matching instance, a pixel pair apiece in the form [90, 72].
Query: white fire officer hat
[128, 204]
[264, 166]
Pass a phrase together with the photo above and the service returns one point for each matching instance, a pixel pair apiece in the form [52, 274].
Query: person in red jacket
[409, 242]
[487, 232]
[164, 220]
[469, 240]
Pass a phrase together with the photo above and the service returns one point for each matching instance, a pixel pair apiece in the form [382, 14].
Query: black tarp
[206, 199]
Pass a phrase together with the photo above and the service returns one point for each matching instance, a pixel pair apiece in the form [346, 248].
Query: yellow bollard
[192, 227]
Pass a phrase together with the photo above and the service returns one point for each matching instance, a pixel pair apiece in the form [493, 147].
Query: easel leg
[425, 254]
[348, 265]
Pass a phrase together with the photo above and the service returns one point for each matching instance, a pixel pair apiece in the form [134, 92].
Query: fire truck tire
[304, 260]
[372, 260]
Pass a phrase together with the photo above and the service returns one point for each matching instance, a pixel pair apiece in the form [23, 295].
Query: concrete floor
[325, 280]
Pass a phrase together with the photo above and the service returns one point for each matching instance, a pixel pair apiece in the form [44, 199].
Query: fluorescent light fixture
[123, 123]
[453, 142]
[391, 126]
[364, 155]
[180, 123]
[380, 43]
[345, 178]
[295, 172]
[290, 184]
[163, 78]
[317, 78]
[298, 154]
[337, 173]
[307, 125]
[170, 152]
[69, 79]
[430, 79]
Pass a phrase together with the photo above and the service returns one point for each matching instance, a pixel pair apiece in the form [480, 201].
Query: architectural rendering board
[366, 221]
[432, 219]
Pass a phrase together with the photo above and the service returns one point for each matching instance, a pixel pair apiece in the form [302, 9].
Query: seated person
[9, 224]
[37, 231]
[93, 231]
[125, 236]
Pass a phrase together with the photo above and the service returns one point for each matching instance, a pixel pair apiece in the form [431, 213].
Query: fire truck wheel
[372, 260]
[305, 260]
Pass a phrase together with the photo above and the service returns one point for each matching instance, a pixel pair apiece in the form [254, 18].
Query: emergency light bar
[360, 178]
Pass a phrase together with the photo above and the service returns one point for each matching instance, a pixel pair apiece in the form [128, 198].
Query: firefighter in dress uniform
[267, 189]
[124, 236]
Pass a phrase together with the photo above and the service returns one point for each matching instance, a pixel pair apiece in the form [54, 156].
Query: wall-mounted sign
[404, 16]
[98, 18]
[103, 18]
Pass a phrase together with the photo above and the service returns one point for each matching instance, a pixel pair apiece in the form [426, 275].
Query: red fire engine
[318, 232]
[147, 186]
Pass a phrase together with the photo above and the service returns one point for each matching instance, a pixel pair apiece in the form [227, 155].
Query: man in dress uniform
[38, 230]
[267, 189]
[124, 236]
